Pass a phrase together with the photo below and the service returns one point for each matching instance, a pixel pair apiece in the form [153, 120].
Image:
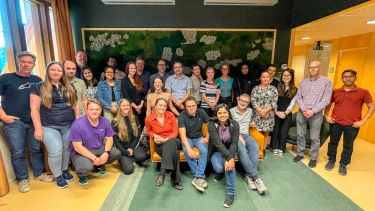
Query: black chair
[292, 134]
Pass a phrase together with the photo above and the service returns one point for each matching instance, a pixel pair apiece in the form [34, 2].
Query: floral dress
[264, 98]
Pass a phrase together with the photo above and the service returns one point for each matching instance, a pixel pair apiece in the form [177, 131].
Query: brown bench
[252, 132]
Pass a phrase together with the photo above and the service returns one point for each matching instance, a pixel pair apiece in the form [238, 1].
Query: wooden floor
[358, 185]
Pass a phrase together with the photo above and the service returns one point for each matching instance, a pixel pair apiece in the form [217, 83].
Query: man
[346, 118]
[119, 75]
[92, 140]
[78, 84]
[272, 70]
[143, 74]
[81, 60]
[190, 123]
[162, 66]
[248, 148]
[313, 95]
[179, 86]
[196, 80]
[18, 126]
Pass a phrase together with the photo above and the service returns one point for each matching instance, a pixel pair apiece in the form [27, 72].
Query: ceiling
[346, 23]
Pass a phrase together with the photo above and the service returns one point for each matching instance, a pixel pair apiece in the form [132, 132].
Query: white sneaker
[24, 186]
[260, 186]
[275, 152]
[280, 153]
[250, 183]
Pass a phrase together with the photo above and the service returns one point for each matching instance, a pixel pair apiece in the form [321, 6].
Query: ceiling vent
[140, 2]
[241, 2]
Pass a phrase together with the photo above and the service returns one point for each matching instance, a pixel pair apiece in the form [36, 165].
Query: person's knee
[129, 169]
[83, 169]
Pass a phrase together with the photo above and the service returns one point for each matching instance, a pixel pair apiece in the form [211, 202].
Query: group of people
[64, 112]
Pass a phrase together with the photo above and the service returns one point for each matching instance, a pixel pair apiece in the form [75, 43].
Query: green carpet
[290, 186]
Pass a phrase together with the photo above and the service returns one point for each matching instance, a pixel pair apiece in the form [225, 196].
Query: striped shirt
[210, 90]
[314, 94]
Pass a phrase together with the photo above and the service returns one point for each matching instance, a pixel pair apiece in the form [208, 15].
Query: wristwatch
[107, 152]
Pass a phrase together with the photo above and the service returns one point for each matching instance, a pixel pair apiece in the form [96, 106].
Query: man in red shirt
[346, 118]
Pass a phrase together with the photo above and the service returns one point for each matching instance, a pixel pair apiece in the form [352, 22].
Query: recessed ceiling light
[306, 38]
[371, 22]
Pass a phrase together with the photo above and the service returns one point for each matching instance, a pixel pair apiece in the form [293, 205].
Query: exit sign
[318, 48]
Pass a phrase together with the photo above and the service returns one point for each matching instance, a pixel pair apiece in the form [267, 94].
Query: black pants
[126, 162]
[350, 134]
[209, 111]
[280, 132]
[141, 117]
[169, 151]
[226, 100]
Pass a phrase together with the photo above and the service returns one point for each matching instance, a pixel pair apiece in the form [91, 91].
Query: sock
[162, 172]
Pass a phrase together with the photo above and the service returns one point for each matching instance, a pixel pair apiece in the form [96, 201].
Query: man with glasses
[313, 95]
[190, 123]
[179, 86]
[248, 148]
[348, 98]
[162, 66]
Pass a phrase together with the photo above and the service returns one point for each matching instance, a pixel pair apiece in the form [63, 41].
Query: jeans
[249, 155]
[197, 168]
[56, 140]
[18, 133]
[218, 161]
[350, 134]
[315, 123]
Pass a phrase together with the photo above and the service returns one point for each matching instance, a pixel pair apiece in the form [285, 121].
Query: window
[3, 57]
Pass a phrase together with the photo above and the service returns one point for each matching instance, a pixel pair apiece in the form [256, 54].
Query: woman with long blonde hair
[127, 131]
[54, 107]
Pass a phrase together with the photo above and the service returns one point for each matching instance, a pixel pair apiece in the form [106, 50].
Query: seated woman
[127, 131]
[223, 145]
[54, 107]
[162, 126]
[90, 81]
[159, 92]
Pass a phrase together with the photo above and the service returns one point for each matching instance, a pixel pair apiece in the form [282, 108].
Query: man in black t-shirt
[190, 122]
[18, 126]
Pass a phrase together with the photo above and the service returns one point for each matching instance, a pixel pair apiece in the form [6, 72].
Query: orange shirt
[166, 130]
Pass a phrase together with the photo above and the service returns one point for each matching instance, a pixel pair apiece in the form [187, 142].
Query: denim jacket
[104, 93]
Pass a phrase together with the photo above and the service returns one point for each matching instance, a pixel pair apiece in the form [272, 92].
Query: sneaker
[250, 183]
[102, 171]
[312, 164]
[228, 200]
[280, 153]
[83, 180]
[261, 188]
[44, 177]
[60, 181]
[67, 176]
[275, 152]
[204, 183]
[297, 159]
[342, 170]
[329, 166]
[218, 177]
[23, 186]
[197, 182]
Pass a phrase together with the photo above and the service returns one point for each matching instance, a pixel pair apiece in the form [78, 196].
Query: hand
[130, 152]
[358, 124]
[242, 140]
[331, 120]
[157, 139]
[113, 110]
[308, 113]
[204, 140]
[96, 162]
[38, 134]
[178, 103]
[9, 119]
[229, 165]
[262, 112]
[103, 158]
[252, 124]
[191, 153]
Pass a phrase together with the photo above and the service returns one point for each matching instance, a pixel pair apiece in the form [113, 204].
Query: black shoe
[312, 164]
[228, 200]
[342, 170]
[160, 180]
[329, 166]
[297, 159]
[178, 185]
[218, 177]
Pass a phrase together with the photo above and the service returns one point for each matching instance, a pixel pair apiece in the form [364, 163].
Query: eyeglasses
[244, 101]
[349, 77]
[192, 106]
[316, 67]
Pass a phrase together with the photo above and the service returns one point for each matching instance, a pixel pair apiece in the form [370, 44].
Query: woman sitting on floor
[223, 145]
[162, 126]
[127, 131]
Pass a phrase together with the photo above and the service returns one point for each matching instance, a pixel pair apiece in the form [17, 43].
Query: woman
[132, 89]
[109, 93]
[210, 91]
[127, 131]
[283, 113]
[162, 126]
[159, 92]
[223, 145]
[263, 99]
[226, 83]
[54, 107]
[244, 82]
[90, 81]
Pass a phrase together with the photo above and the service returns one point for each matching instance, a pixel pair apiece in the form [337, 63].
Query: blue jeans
[57, 143]
[18, 133]
[197, 168]
[218, 161]
[249, 155]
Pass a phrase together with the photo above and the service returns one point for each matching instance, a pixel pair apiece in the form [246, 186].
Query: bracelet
[94, 159]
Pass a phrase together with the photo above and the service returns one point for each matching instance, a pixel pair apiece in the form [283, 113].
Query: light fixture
[371, 22]
[306, 38]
